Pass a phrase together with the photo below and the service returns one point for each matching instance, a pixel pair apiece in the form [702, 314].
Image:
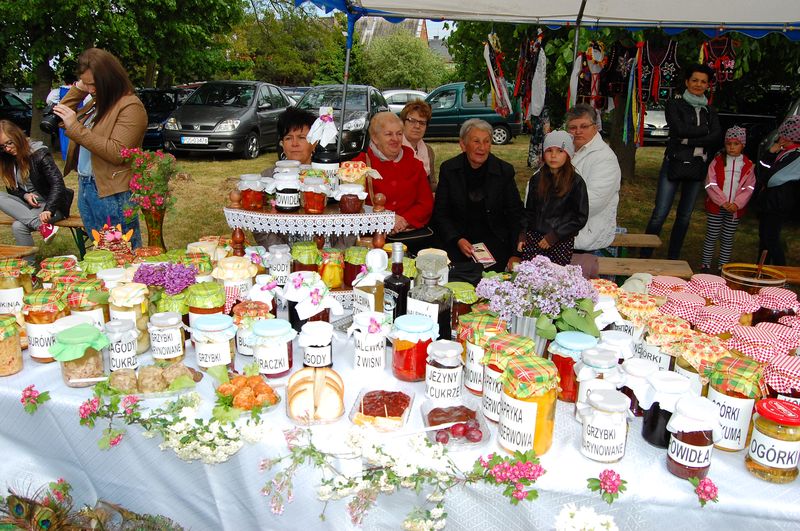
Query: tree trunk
[150, 73]
[42, 81]
[626, 153]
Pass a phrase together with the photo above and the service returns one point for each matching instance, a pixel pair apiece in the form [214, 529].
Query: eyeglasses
[420, 123]
[581, 127]
[8, 144]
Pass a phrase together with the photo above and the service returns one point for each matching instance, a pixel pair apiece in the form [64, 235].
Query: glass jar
[129, 302]
[683, 305]
[121, 351]
[411, 335]
[444, 370]
[474, 331]
[595, 364]
[605, 426]
[252, 191]
[661, 286]
[351, 198]
[716, 321]
[266, 290]
[315, 338]
[314, 195]
[175, 303]
[78, 349]
[167, 339]
[528, 405]
[97, 260]
[705, 285]
[735, 386]
[698, 355]
[205, 298]
[213, 336]
[775, 303]
[665, 329]
[354, 261]
[245, 314]
[433, 301]
[65, 281]
[739, 301]
[236, 274]
[693, 429]
[111, 278]
[659, 400]
[42, 308]
[773, 451]
[634, 381]
[565, 352]
[369, 331]
[305, 257]
[332, 268]
[87, 297]
[464, 297]
[10, 349]
[287, 193]
[272, 347]
[782, 378]
[307, 298]
[618, 342]
[280, 262]
[788, 338]
[637, 308]
[753, 343]
[499, 349]
[202, 263]
[53, 267]
[15, 283]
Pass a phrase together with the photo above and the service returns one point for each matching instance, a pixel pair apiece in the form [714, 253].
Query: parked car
[363, 102]
[397, 99]
[228, 117]
[159, 104]
[14, 109]
[296, 93]
[656, 129]
[452, 107]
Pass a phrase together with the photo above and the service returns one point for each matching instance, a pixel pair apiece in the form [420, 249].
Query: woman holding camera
[36, 196]
[112, 120]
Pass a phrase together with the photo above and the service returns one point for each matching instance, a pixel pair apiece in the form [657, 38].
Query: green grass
[202, 190]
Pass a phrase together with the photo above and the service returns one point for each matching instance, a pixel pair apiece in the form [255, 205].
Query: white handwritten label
[40, 338]
[604, 437]
[95, 314]
[443, 382]
[517, 423]
[317, 356]
[492, 388]
[280, 271]
[653, 353]
[363, 301]
[772, 452]
[122, 316]
[213, 354]
[272, 358]
[122, 355]
[287, 199]
[370, 355]
[166, 343]
[734, 416]
[689, 454]
[474, 370]
[241, 346]
[427, 309]
[11, 300]
[696, 386]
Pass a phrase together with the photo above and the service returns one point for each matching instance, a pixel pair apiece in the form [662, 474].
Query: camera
[50, 120]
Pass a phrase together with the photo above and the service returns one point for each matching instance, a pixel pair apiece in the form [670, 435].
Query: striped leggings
[720, 227]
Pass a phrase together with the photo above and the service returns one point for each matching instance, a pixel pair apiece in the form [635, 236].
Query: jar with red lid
[775, 445]
[775, 303]
[716, 321]
[634, 381]
[739, 301]
[683, 305]
[252, 191]
[754, 343]
[500, 349]
[693, 429]
[444, 370]
[782, 378]
[705, 285]
[565, 351]
[659, 401]
[788, 338]
[735, 384]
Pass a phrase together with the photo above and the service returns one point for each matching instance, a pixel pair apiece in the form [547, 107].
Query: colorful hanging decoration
[586, 80]
[494, 58]
[615, 76]
[633, 129]
[719, 55]
[659, 72]
[531, 83]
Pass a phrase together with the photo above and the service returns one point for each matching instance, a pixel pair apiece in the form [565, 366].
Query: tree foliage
[400, 60]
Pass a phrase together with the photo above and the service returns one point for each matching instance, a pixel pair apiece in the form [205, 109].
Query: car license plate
[660, 132]
[194, 140]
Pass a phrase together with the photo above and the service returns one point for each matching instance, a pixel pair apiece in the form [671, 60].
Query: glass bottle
[774, 448]
[432, 301]
[396, 286]
[411, 335]
[693, 427]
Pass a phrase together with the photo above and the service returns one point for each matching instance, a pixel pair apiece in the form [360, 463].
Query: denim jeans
[97, 211]
[665, 196]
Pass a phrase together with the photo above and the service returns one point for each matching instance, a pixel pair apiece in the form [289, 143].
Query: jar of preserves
[528, 405]
[308, 299]
[332, 268]
[605, 287]
[213, 336]
[252, 191]
[683, 305]
[782, 378]
[618, 342]
[605, 426]
[788, 337]
[97, 260]
[280, 262]
[111, 278]
[272, 347]
[500, 348]
[87, 297]
[205, 298]
[661, 286]
[149, 254]
[411, 335]
[202, 264]
[53, 267]
[464, 297]
[706, 286]
[129, 302]
[775, 303]
[266, 291]
[735, 384]
[121, 350]
[716, 321]
[236, 274]
[474, 331]
[369, 331]
[314, 195]
[245, 314]
[636, 309]
[775, 446]
[698, 355]
[565, 352]
[78, 349]
[287, 192]
[10, 348]
[634, 381]
[693, 427]
[177, 302]
[316, 338]
[754, 343]
[15, 283]
[167, 339]
[595, 364]
[354, 262]
[305, 257]
[444, 370]
[42, 308]
[660, 397]
[739, 301]
[351, 198]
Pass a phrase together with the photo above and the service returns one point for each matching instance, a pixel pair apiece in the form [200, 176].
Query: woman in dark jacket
[694, 132]
[37, 196]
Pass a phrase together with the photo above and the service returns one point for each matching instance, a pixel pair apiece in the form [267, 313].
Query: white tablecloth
[51, 444]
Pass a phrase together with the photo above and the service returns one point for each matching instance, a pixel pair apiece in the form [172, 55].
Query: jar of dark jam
[287, 193]
[775, 303]
[659, 401]
[354, 261]
[634, 381]
[693, 428]
[305, 257]
[782, 376]
[444, 371]
[351, 198]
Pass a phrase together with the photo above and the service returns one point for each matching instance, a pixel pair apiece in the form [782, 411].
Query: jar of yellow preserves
[735, 384]
[775, 445]
[739, 301]
[500, 349]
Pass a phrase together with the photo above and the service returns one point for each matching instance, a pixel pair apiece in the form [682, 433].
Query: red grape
[474, 435]
[458, 430]
[442, 437]
[473, 424]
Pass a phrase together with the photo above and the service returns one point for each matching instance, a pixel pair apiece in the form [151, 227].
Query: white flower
[607, 522]
[436, 496]
[437, 512]
[325, 493]
[440, 524]
[404, 469]
[188, 413]
[407, 484]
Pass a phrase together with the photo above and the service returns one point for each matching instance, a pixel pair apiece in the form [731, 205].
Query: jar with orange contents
[788, 338]
[753, 343]
[10, 349]
[43, 308]
[53, 267]
[775, 303]
[411, 335]
[528, 405]
[474, 331]
[314, 195]
[739, 301]
[252, 191]
[332, 268]
[495, 360]
[782, 378]
[716, 321]
[735, 384]
[565, 352]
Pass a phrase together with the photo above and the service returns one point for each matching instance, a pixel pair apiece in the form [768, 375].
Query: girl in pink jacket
[729, 184]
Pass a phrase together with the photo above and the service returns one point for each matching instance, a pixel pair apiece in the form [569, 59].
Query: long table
[50, 444]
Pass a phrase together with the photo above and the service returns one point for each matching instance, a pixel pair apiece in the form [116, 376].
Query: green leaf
[694, 481]
[219, 373]
[251, 370]
[225, 414]
[184, 381]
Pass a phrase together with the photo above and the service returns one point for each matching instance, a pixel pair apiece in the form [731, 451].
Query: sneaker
[48, 230]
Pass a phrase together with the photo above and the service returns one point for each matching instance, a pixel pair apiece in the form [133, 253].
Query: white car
[397, 99]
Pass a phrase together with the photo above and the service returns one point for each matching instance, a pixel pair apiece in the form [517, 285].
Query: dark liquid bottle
[396, 285]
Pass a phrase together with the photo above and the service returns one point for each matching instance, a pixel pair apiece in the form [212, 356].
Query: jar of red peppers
[252, 191]
[565, 352]
[463, 298]
[500, 349]
[411, 335]
[474, 331]
[775, 303]
[782, 378]
[693, 427]
[314, 195]
[354, 261]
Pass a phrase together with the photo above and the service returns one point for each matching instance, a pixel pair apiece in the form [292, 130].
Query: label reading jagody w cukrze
[166, 343]
[40, 338]
[211, 354]
[122, 355]
[604, 438]
[272, 358]
[443, 382]
[317, 356]
[517, 423]
[689, 454]
[369, 354]
[473, 379]
[280, 271]
[734, 417]
[122, 315]
[492, 388]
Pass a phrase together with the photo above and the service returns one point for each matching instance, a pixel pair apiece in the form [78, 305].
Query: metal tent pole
[578, 21]
[351, 26]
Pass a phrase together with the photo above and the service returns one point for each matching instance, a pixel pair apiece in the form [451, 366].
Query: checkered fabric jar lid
[702, 351]
[663, 285]
[782, 373]
[8, 326]
[705, 285]
[716, 319]
[739, 375]
[735, 299]
[55, 265]
[206, 295]
[528, 376]
[755, 343]
[683, 305]
[777, 299]
[501, 348]
[789, 337]
[44, 300]
[792, 321]
[474, 326]
[604, 286]
[14, 267]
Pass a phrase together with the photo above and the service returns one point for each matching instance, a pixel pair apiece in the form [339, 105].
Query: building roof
[439, 47]
[368, 28]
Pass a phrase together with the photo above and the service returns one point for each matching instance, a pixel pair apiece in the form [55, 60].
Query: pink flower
[128, 212]
[128, 402]
[374, 326]
[706, 490]
[115, 440]
[610, 481]
[316, 297]
[159, 201]
[297, 281]
[89, 408]
[269, 285]
[29, 395]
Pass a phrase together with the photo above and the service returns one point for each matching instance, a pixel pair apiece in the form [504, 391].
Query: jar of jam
[87, 297]
[605, 426]
[204, 298]
[662, 286]
[272, 347]
[369, 331]
[332, 268]
[411, 335]
[213, 337]
[305, 257]
[775, 303]
[111, 278]
[10, 349]
[266, 290]
[706, 286]
[315, 338]
[500, 348]
[97, 260]
[634, 381]
[279, 262]
[683, 305]
[252, 191]
[167, 340]
[618, 342]
[775, 446]
[659, 400]
[78, 349]
[754, 343]
[735, 386]
[129, 302]
[528, 405]
[308, 299]
[314, 195]
[474, 331]
[595, 364]
[351, 198]
[636, 308]
[565, 352]
[739, 301]
[693, 427]
[782, 378]
[788, 338]
[121, 350]
[464, 297]
[53, 267]
[245, 314]
[15, 283]
[698, 355]
[235, 273]
[716, 321]
[202, 263]
[287, 192]
[42, 308]
[354, 261]
[444, 370]
[65, 281]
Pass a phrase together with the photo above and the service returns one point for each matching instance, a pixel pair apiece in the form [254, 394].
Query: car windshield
[332, 97]
[155, 101]
[223, 95]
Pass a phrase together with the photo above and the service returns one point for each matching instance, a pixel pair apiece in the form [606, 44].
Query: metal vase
[526, 326]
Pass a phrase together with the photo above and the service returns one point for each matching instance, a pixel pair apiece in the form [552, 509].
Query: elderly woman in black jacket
[694, 131]
[37, 196]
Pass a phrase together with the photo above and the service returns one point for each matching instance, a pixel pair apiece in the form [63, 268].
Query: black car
[159, 104]
[14, 109]
[363, 102]
[228, 117]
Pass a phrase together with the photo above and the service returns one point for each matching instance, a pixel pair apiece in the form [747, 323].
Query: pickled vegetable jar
[78, 349]
[595, 364]
[411, 335]
[272, 347]
[213, 337]
[332, 268]
[204, 298]
[500, 349]
[53, 267]
[775, 445]
[565, 352]
[129, 302]
[474, 331]
[782, 378]
[605, 426]
[735, 386]
[42, 308]
[15, 283]
[97, 260]
[87, 297]
[167, 339]
[10, 349]
[694, 426]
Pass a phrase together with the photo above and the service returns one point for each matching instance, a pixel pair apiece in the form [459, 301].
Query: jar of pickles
[474, 331]
[129, 302]
[10, 349]
[595, 364]
[354, 261]
[87, 297]
[252, 191]
[213, 336]
[53, 267]
[272, 347]
[443, 373]
[202, 263]
[411, 335]
[753, 343]
[235, 273]
[775, 303]
[706, 286]
[782, 378]
[245, 314]
[774, 449]
[111, 278]
[735, 384]
[464, 297]
[305, 257]
[605, 426]
[716, 321]
[177, 303]
[698, 355]
[332, 268]
[167, 339]
[565, 352]
[788, 338]
[739, 301]
[121, 350]
[693, 427]
[500, 349]
[369, 331]
[205, 298]
[634, 381]
[97, 260]
[659, 400]
[280, 262]
[78, 349]
[15, 283]
[42, 308]
[528, 405]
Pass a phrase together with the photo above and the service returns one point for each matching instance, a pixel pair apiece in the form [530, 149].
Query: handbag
[681, 169]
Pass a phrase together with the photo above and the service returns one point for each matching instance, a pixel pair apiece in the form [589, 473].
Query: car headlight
[226, 126]
[356, 124]
[154, 126]
[172, 124]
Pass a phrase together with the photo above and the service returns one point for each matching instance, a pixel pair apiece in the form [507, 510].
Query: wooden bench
[16, 251]
[628, 266]
[625, 241]
[792, 273]
[73, 223]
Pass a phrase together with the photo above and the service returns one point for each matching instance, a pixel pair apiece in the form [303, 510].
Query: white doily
[345, 298]
[367, 222]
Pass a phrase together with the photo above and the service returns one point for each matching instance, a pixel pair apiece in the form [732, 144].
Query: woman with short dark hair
[416, 115]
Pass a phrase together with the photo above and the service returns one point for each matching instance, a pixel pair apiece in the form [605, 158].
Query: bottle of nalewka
[396, 286]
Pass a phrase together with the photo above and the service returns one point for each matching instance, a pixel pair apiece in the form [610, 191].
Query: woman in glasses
[37, 196]
[415, 116]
